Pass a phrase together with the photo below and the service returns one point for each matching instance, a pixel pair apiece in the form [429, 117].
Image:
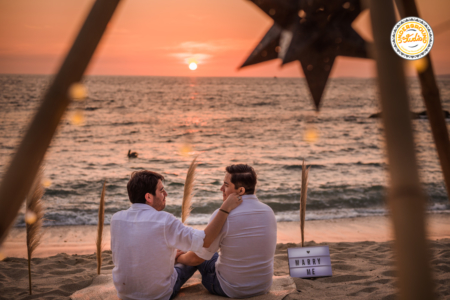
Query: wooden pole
[432, 99]
[406, 199]
[24, 166]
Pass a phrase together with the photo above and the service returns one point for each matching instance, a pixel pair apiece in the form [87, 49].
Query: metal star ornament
[313, 32]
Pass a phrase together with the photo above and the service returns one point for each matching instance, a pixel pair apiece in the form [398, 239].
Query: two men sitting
[146, 242]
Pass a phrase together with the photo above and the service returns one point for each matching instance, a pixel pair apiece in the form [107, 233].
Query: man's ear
[149, 199]
[241, 191]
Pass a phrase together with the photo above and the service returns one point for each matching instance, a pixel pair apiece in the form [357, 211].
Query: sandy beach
[360, 248]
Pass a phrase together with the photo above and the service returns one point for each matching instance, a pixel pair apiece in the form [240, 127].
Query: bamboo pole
[406, 199]
[432, 99]
[20, 174]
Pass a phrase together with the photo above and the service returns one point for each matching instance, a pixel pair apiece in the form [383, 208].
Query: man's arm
[214, 227]
[189, 259]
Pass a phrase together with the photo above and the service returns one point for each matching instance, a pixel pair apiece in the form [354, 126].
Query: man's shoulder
[255, 206]
[140, 214]
[119, 215]
[166, 215]
[260, 205]
[268, 208]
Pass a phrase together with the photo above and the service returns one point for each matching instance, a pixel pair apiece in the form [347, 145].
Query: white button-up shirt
[143, 244]
[247, 245]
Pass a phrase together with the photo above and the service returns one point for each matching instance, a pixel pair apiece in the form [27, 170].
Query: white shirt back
[247, 245]
[143, 244]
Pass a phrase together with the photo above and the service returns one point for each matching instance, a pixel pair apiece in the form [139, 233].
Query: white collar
[249, 197]
[140, 206]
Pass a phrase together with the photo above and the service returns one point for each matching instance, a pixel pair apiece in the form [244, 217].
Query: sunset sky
[161, 38]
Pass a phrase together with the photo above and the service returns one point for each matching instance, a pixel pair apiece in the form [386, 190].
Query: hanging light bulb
[420, 64]
[30, 217]
[311, 134]
[185, 149]
[78, 118]
[77, 91]
[46, 182]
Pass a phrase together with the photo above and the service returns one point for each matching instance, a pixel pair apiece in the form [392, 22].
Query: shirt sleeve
[207, 253]
[179, 236]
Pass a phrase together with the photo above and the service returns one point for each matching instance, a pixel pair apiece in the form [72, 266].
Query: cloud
[191, 51]
[188, 57]
[202, 51]
[204, 47]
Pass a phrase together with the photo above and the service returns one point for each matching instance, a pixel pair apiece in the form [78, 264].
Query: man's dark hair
[243, 176]
[141, 183]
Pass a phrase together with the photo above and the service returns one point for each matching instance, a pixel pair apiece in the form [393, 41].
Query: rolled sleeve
[204, 253]
[197, 240]
[179, 236]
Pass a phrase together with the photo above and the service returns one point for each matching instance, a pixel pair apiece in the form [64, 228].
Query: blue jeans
[184, 273]
[209, 278]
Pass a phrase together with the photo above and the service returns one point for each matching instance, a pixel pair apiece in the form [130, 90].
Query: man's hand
[179, 252]
[233, 201]
[214, 227]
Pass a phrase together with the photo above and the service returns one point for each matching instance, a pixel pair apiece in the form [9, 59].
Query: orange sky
[157, 37]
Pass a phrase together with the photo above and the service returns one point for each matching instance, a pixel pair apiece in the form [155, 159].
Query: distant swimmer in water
[132, 154]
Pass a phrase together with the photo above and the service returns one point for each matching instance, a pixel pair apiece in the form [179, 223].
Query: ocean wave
[371, 164]
[91, 108]
[299, 167]
[262, 103]
[91, 218]
[265, 125]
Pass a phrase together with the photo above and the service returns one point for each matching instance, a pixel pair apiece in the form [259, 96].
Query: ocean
[269, 123]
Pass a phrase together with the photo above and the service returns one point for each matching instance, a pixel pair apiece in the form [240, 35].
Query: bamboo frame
[432, 100]
[23, 168]
[406, 199]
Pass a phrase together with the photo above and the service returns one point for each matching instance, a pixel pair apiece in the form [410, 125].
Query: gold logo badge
[412, 38]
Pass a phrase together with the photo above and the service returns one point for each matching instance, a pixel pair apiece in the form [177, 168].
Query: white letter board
[307, 262]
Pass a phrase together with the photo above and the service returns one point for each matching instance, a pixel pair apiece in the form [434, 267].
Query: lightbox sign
[306, 262]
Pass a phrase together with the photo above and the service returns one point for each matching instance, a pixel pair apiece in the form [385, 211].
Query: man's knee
[208, 266]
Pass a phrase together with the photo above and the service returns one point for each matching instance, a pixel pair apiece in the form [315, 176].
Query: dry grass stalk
[101, 221]
[188, 188]
[34, 219]
[303, 200]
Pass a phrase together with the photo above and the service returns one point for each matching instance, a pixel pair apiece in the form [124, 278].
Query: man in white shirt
[145, 239]
[247, 243]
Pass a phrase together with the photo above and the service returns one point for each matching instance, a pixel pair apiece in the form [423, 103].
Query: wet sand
[81, 239]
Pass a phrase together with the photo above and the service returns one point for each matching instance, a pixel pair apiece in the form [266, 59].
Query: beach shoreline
[80, 239]
[360, 249]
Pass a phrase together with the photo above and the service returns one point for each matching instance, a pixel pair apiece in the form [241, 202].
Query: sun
[193, 66]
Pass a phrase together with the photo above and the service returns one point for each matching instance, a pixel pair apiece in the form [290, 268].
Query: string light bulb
[420, 64]
[78, 118]
[46, 182]
[311, 135]
[185, 149]
[30, 217]
[77, 91]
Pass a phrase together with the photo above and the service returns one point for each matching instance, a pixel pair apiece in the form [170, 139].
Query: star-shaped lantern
[313, 32]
